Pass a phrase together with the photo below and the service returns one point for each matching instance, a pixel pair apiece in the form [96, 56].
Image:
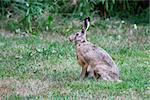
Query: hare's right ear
[86, 24]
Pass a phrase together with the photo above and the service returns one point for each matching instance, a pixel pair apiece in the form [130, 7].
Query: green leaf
[113, 1]
[34, 33]
[103, 1]
[106, 5]
[50, 20]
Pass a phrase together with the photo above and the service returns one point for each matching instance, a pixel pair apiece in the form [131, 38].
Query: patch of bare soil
[5, 89]
[6, 33]
[32, 87]
[23, 88]
[7, 85]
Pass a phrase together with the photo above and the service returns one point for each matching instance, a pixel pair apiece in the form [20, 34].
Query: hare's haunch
[93, 60]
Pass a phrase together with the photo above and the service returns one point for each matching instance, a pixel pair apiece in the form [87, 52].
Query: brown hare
[93, 60]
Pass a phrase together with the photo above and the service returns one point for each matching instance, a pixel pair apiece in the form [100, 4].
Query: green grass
[47, 67]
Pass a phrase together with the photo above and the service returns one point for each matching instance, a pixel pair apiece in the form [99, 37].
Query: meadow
[44, 66]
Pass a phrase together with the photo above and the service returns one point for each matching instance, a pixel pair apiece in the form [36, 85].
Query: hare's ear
[86, 24]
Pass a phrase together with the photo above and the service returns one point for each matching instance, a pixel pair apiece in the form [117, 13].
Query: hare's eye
[77, 34]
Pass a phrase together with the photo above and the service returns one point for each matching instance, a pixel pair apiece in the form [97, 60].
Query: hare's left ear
[86, 23]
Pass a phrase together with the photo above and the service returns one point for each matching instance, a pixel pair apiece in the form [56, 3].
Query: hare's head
[80, 37]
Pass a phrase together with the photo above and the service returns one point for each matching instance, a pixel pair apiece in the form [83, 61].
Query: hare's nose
[69, 38]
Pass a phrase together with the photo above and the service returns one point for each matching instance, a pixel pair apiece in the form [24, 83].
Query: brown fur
[94, 60]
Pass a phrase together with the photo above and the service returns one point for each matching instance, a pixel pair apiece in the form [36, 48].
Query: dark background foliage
[28, 12]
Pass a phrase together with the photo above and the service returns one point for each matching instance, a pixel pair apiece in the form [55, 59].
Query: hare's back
[96, 54]
[107, 59]
[88, 52]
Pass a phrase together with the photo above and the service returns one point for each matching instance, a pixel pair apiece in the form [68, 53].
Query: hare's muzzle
[71, 38]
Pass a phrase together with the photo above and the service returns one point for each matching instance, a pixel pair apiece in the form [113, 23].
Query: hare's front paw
[81, 78]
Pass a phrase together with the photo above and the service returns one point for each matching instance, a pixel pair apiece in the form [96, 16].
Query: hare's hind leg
[92, 72]
[104, 76]
[103, 72]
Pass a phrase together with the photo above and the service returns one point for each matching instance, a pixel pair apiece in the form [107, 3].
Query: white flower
[135, 26]
[122, 21]
[27, 4]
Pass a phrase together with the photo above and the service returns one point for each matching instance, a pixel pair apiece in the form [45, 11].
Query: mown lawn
[45, 66]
